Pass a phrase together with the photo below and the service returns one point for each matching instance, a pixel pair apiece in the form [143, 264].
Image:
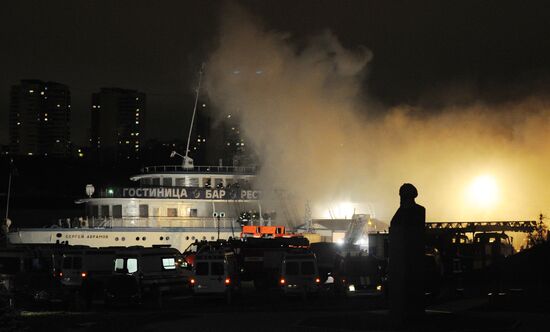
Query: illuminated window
[31, 91]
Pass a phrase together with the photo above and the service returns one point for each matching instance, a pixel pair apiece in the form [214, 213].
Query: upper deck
[204, 170]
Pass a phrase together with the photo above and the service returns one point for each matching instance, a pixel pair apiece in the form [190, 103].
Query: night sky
[425, 52]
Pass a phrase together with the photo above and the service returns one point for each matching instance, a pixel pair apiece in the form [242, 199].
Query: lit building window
[94, 106]
[42, 93]
[137, 122]
[98, 106]
[31, 91]
[18, 123]
[58, 105]
[57, 141]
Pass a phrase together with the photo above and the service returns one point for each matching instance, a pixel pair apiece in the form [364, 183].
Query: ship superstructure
[169, 205]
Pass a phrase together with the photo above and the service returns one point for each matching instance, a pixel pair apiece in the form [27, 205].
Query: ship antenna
[188, 161]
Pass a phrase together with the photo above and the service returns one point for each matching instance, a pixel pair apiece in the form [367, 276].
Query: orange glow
[283, 281]
[227, 281]
[317, 280]
[83, 274]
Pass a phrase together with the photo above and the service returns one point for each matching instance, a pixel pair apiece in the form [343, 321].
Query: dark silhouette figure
[406, 265]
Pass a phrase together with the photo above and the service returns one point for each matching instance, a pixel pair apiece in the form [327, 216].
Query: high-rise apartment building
[39, 118]
[118, 123]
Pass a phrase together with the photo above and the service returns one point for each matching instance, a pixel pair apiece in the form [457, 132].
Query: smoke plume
[303, 110]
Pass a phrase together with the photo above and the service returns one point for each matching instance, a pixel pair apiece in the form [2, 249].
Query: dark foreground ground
[269, 312]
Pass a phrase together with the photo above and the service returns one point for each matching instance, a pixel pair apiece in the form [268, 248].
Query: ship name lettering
[249, 194]
[215, 194]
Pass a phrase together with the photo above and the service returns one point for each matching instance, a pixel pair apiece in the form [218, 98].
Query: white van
[141, 273]
[299, 274]
[216, 273]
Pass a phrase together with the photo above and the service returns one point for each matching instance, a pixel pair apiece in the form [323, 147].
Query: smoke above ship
[318, 134]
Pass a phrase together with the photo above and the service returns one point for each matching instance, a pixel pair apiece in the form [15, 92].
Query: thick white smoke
[303, 111]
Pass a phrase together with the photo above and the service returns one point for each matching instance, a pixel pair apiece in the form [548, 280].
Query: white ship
[170, 205]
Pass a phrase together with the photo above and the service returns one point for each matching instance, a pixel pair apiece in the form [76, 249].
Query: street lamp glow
[484, 191]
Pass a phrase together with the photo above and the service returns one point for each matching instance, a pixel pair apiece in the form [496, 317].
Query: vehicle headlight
[351, 288]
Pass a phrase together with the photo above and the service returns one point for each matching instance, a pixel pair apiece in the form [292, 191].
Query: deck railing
[245, 170]
[109, 222]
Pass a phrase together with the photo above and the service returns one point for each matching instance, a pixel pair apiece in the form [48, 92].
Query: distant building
[39, 120]
[118, 124]
[219, 142]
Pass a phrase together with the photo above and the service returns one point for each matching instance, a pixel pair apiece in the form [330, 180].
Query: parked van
[216, 273]
[84, 272]
[299, 274]
[142, 273]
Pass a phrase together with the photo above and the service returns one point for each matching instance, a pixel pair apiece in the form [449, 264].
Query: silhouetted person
[406, 265]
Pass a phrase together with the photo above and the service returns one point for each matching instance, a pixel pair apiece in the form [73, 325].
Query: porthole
[187, 237]
[58, 235]
[212, 238]
[167, 238]
[123, 238]
[204, 238]
[192, 237]
[116, 238]
[161, 238]
[137, 238]
[143, 238]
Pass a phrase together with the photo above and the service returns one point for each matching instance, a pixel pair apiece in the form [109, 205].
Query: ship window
[169, 263]
[167, 182]
[187, 237]
[167, 238]
[171, 212]
[143, 238]
[207, 182]
[105, 211]
[145, 182]
[155, 181]
[137, 238]
[161, 238]
[144, 210]
[155, 212]
[192, 212]
[180, 182]
[95, 211]
[117, 211]
[218, 183]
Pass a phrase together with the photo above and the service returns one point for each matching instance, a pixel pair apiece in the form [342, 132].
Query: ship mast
[188, 161]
